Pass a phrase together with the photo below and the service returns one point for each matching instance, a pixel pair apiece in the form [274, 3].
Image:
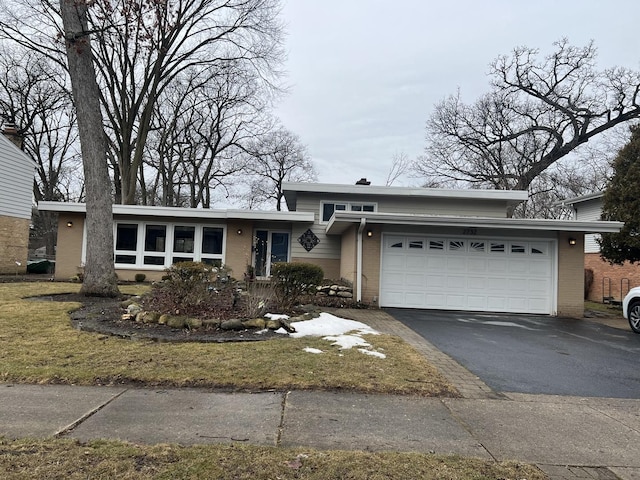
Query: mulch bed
[104, 315]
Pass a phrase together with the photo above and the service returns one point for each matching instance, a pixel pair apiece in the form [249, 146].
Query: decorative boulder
[193, 323]
[258, 323]
[233, 324]
[175, 321]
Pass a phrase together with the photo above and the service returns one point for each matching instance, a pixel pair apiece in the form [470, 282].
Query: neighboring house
[400, 247]
[16, 192]
[610, 282]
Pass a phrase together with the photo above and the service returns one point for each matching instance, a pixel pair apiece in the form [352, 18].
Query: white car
[631, 308]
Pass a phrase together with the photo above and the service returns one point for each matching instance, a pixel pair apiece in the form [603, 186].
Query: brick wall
[371, 264]
[570, 276]
[602, 270]
[69, 245]
[14, 244]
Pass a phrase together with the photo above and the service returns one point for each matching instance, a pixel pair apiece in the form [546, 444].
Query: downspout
[363, 222]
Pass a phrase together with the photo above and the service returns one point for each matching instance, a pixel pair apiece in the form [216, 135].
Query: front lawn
[38, 345]
[68, 459]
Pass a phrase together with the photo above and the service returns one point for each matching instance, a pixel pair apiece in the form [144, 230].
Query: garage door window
[436, 244]
[456, 245]
[497, 247]
[518, 248]
[539, 249]
[416, 244]
[477, 247]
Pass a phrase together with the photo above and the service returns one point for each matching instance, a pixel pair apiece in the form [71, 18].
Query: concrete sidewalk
[567, 437]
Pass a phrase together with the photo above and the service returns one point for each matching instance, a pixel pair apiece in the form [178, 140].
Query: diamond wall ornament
[308, 240]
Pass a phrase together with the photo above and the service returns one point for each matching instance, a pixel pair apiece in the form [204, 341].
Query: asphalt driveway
[535, 354]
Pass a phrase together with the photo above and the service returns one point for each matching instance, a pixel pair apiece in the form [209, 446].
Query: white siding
[16, 181]
[589, 210]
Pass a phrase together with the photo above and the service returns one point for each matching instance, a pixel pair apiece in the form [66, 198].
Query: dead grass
[68, 459]
[38, 345]
[611, 310]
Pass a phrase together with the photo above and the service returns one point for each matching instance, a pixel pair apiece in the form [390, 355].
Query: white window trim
[348, 207]
[168, 254]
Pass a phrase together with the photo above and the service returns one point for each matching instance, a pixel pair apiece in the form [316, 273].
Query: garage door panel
[462, 274]
[414, 299]
[415, 280]
[477, 265]
[497, 265]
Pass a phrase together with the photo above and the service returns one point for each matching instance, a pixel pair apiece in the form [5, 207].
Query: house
[16, 191]
[610, 282]
[400, 247]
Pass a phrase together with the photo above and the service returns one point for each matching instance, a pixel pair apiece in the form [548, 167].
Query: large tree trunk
[99, 274]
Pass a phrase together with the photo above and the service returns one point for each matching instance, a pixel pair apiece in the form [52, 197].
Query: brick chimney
[11, 132]
[363, 181]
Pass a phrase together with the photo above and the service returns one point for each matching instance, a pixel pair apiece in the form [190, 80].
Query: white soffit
[178, 212]
[342, 220]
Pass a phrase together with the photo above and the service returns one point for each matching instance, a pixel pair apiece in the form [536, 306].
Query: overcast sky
[364, 75]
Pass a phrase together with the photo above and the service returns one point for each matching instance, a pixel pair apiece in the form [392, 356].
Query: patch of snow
[372, 353]
[327, 324]
[347, 341]
[312, 350]
[276, 316]
[333, 329]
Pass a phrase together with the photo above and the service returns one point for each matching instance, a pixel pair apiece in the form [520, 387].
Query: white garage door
[485, 275]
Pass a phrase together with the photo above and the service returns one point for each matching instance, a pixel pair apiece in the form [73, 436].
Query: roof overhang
[584, 198]
[511, 197]
[190, 213]
[341, 221]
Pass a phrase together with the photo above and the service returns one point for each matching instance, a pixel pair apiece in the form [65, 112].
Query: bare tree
[100, 278]
[400, 165]
[146, 46]
[31, 95]
[537, 112]
[277, 157]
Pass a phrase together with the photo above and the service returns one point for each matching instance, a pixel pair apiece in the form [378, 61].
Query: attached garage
[475, 274]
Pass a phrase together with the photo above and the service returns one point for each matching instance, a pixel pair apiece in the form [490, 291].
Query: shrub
[293, 280]
[140, 277]
[194, 289]
[588, 281]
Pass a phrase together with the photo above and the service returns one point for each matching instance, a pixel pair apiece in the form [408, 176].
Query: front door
[270, 247]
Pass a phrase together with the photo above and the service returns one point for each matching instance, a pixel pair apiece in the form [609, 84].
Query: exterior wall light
[239, 232]
[369, 233]
[69, 224]
[572, 241]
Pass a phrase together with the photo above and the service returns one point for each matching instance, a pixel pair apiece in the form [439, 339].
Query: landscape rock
[173, 321]
[258, 323]
[193, 323]
[233, 324]
[345, 294]
[273, 324]
[134, 309]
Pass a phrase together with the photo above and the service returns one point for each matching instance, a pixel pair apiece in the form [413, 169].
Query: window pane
[211, 240]
[327, 211]
[149, 260]
[340, 206]
[415, 244]
[456, 245]
[476, 246]
[155, 238]
[518, 248]
[183, 238]
[356, 208]
[182, 259]
[496, 247]
[436, 244]
[367, 208]
[127, 236]
[216, 262]
[396, 245]
[128, 259]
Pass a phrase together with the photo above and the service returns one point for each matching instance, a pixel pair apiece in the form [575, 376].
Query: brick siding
[14, 244]
[602, 270]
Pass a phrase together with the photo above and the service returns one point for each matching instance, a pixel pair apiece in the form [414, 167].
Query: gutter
[363, 222]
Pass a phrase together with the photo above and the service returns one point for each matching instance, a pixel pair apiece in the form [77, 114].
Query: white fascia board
[506, 195]
[178, 212]
[341, 220]
[581, 199]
